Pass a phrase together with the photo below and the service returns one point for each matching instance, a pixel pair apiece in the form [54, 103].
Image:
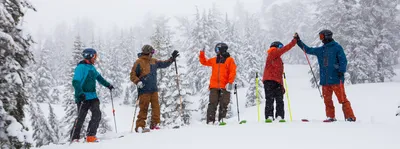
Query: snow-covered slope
[373, 104]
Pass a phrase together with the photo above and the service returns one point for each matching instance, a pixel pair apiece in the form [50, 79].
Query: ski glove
[82, 97]
[111, 87]
[296, 36]
[140, 84]
[175, 54]
[228, 87]
[340, 74]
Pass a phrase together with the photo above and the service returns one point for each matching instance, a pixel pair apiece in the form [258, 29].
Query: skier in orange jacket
[221, 81]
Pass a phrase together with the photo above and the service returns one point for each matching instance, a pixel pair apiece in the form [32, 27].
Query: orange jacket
[222, 73]
[274, 66]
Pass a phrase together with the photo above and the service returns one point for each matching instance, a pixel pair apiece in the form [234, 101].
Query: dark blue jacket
[145, 70]
[331, 60]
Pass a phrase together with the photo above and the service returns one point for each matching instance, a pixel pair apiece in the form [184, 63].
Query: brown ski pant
[221, 97]
[144, 101]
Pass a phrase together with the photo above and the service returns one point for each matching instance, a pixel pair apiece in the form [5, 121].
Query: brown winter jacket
[145, 70]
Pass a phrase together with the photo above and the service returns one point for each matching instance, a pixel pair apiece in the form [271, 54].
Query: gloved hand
[110, 87]
[296, 36]
[175, 54]
[340, 74]
[140, 84]
[82, 97]
[228, 87]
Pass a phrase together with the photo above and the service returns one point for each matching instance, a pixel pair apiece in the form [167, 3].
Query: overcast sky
[124, 13]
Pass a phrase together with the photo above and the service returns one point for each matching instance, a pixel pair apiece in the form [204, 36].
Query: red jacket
[274, 66]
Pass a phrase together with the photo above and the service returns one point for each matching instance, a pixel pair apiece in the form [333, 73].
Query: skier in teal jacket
[84, 83]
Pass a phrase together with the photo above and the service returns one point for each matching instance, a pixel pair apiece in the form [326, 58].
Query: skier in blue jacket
[84, 83]
[332, 63]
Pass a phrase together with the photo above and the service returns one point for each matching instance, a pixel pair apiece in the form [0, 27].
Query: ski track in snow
[374, 106]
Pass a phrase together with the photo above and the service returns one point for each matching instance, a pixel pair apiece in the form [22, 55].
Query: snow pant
[144, 101]
[274, 92]
[221, 97]
[94, 106]
[327, 91]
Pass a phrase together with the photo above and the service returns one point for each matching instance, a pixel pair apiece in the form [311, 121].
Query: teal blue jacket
[331, 60]
[84, 81]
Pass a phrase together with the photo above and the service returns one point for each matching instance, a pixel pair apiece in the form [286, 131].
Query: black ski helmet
[89, 53]
[325, 34]
[221, 47]
[276, 44]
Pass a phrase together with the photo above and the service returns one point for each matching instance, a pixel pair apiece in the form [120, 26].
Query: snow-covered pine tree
[44, 80]
[129, 57]
[380, 38]
[251, 98]
[54, 125]
[42, 133]
[254, 59]
[14, 59]
[115, 70]
[127, 96]
[195, 39]
[283, 20]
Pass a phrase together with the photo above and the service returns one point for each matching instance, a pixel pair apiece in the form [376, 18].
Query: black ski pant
[221, 97]
[94, 107]
[273, 92]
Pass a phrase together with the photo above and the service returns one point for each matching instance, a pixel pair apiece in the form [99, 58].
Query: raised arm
[164, 64]
[278, 52]
[203, 60]
[307, 49]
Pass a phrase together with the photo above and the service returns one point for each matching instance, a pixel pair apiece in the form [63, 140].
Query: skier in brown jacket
[144, 75]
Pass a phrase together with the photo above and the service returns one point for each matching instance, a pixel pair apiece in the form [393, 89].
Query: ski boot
[142, 130]
[328, 120]
[351, 119]
[280, 119]
[155, 126]
[92, 139]
[269, 119]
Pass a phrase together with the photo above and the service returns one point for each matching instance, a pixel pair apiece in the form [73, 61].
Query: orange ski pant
[327, 91]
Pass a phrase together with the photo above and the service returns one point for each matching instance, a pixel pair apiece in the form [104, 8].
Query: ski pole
[76, 121]
[179, 91]
[237, 104]
[134, 114]
[287, 96]
[113, 110]
[312, 71]
[257, 98]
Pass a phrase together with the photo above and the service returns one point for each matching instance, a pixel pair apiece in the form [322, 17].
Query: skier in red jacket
[273, 81]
